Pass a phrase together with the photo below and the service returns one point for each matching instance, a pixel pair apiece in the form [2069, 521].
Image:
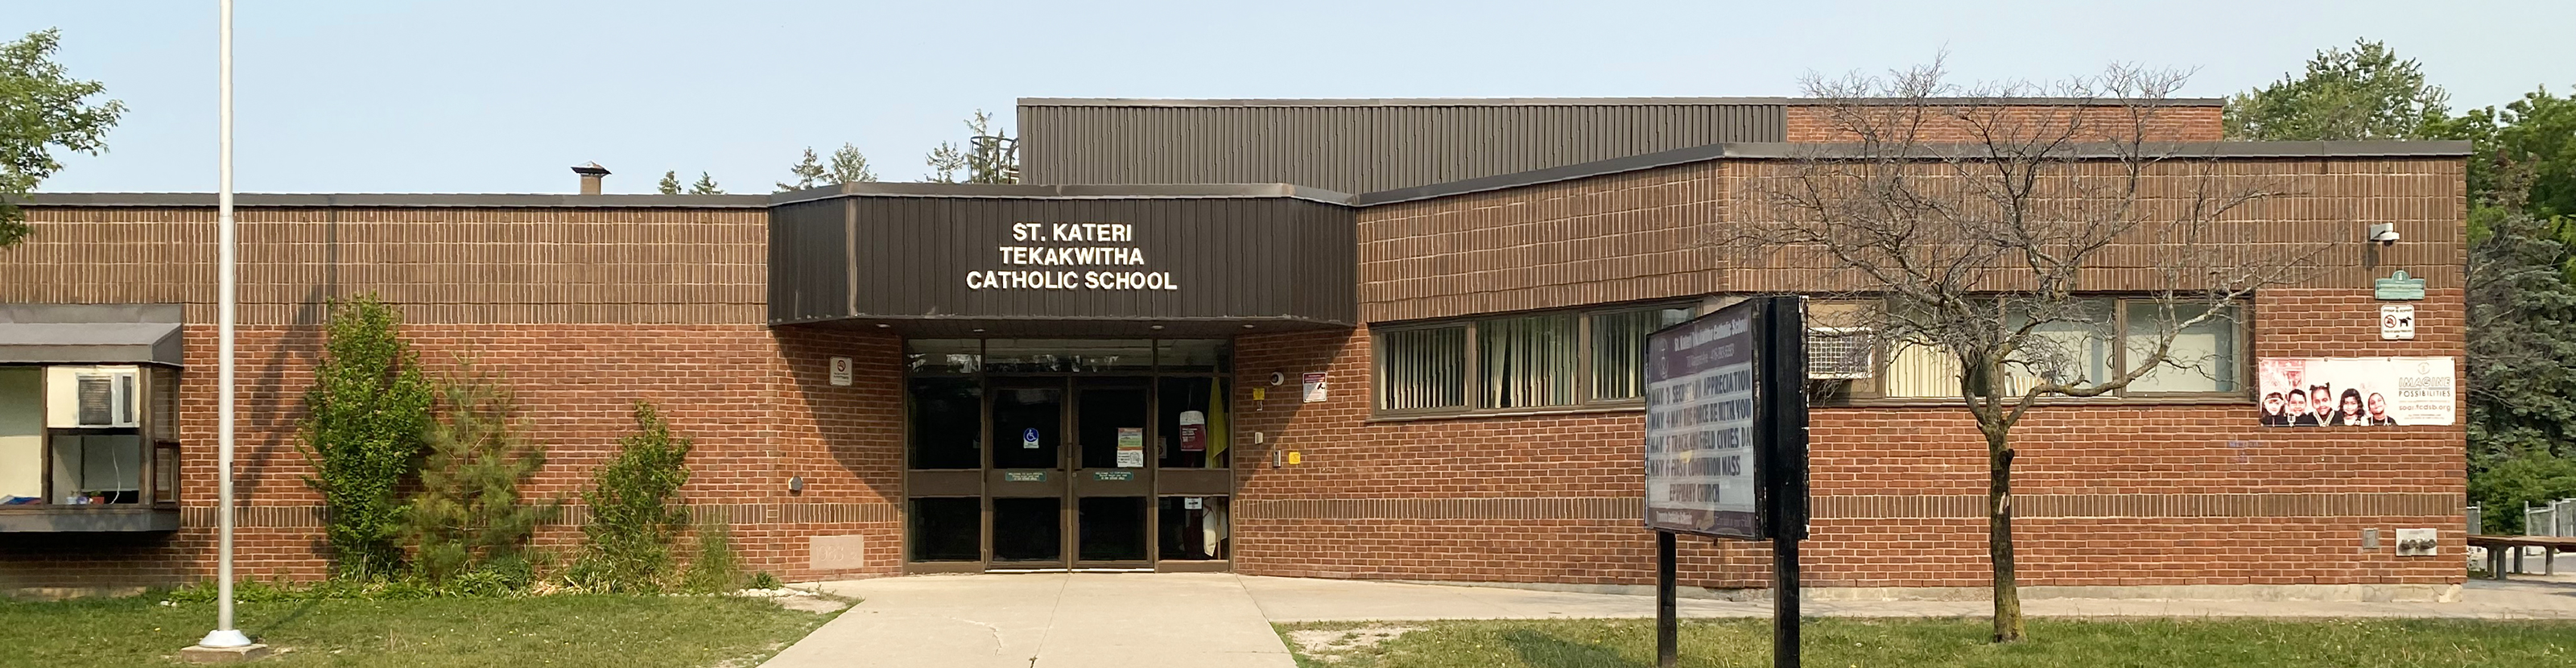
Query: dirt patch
[1336, 645]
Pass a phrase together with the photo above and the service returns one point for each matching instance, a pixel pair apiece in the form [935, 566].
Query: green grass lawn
[567, 630]
[1938, 643]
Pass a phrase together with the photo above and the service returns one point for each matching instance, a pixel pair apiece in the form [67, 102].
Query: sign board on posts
[1717, 389]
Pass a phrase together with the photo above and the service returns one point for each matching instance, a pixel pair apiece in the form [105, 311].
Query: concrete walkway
[1217, 620]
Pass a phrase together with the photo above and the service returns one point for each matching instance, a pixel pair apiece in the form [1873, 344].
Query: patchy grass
[623, 631]
[1943, 643]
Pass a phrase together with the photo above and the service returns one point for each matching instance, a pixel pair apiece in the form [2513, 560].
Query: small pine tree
[468, 511]
[367, 410]
[848, 166]
[670, 184]
[632, 516]
[706, 185]
[809, 172]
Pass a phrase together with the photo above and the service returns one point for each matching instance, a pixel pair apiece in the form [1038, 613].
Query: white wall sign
[2396, 321]
[841, 371]
[1037, 248]
[1315, 390]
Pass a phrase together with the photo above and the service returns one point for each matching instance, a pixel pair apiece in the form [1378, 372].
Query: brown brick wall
[1679, 231]
[759, 406]
[460, 265]
[2129, 494]
[582, 311]
[1815, 123]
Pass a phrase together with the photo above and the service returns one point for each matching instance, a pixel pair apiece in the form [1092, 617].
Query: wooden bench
[2496, 546]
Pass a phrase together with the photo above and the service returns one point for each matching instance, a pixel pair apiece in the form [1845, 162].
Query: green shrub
[632, 513]
[715, 568]
[468, 511]
[367, 409]
[763, 580]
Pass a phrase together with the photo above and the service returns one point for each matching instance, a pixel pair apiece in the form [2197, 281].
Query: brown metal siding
[1658, 233]
[1360, 149]
[908, 258]
[441, 265]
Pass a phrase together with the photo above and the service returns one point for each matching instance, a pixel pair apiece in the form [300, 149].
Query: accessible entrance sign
[1726, 449]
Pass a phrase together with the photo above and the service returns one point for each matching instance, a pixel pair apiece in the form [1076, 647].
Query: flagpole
[224, 635]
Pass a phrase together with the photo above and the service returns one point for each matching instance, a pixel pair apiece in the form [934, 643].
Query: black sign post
[1726, 449]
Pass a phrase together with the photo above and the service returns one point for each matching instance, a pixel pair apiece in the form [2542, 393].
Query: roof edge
[1800, 151]
[1536, 101]
[399, 200]
[1024, 190]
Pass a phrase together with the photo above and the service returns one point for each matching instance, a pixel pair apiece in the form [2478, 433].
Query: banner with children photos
[2357, 391]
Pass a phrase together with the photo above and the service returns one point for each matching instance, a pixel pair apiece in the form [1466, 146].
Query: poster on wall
[1131, 447]
[2357, 391]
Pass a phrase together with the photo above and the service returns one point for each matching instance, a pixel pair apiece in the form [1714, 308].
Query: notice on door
[1029, 438]
[1131, 447]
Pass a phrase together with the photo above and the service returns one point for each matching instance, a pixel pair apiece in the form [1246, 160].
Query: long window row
[1569, 359]
[1578, 359]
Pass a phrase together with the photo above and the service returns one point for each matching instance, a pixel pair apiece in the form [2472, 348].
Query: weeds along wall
[581, 311]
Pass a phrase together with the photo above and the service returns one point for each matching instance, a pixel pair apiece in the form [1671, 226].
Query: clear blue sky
[473, 96]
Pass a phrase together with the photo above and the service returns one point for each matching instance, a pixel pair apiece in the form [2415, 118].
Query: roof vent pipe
[590, 174]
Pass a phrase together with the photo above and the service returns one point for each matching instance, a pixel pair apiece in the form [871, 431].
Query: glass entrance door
[1026, 481]
[1030, 454]
[1112, 483]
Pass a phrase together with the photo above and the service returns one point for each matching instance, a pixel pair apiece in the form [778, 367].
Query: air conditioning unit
[1839, 353]
[94, 397]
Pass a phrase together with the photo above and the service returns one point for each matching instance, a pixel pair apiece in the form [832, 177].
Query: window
[1563, 359]
[2106, 335]
[85, 435]
[1422, 368]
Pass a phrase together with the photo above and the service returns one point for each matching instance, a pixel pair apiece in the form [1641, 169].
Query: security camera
[2384, 233]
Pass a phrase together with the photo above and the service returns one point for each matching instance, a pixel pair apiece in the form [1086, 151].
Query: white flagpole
[224, 634]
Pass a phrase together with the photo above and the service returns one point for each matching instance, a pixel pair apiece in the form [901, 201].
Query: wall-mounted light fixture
[2384, 233]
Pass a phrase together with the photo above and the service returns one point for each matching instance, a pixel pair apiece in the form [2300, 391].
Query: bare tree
[1980, 226]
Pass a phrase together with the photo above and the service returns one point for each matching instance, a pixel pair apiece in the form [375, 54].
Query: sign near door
[1131, 447]
[1029, 438]
[1315, 390]
[841, 371]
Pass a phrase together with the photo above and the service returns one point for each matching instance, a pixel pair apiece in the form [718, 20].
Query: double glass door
[1071, 453]
[1069, 481]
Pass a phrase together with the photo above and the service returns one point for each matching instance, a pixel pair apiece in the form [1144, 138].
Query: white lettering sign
[1085, 255]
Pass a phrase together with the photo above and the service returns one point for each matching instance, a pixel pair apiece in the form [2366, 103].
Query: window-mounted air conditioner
[1839, 353]
[96, 397]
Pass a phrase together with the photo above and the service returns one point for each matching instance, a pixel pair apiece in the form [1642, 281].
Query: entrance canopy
[1024, 260]
[90, 334]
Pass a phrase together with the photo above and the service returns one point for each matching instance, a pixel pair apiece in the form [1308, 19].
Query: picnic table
[2496, 546]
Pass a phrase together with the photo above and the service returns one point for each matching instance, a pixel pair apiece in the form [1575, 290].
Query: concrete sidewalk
[1218, 620]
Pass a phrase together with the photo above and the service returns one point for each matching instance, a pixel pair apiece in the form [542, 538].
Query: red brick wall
[757, 402]
[1869, 463]
[1812, 123]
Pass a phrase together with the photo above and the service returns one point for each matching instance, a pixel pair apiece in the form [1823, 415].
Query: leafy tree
[2364, 93]
[632, 513]
[2522, 335]
[2536, 137]
[706, 185]
[468, 511]
[990, 156]
[670, 184]
[368, 409]
[42, 108]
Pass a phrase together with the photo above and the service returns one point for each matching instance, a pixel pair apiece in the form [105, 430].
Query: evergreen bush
[468, 512]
